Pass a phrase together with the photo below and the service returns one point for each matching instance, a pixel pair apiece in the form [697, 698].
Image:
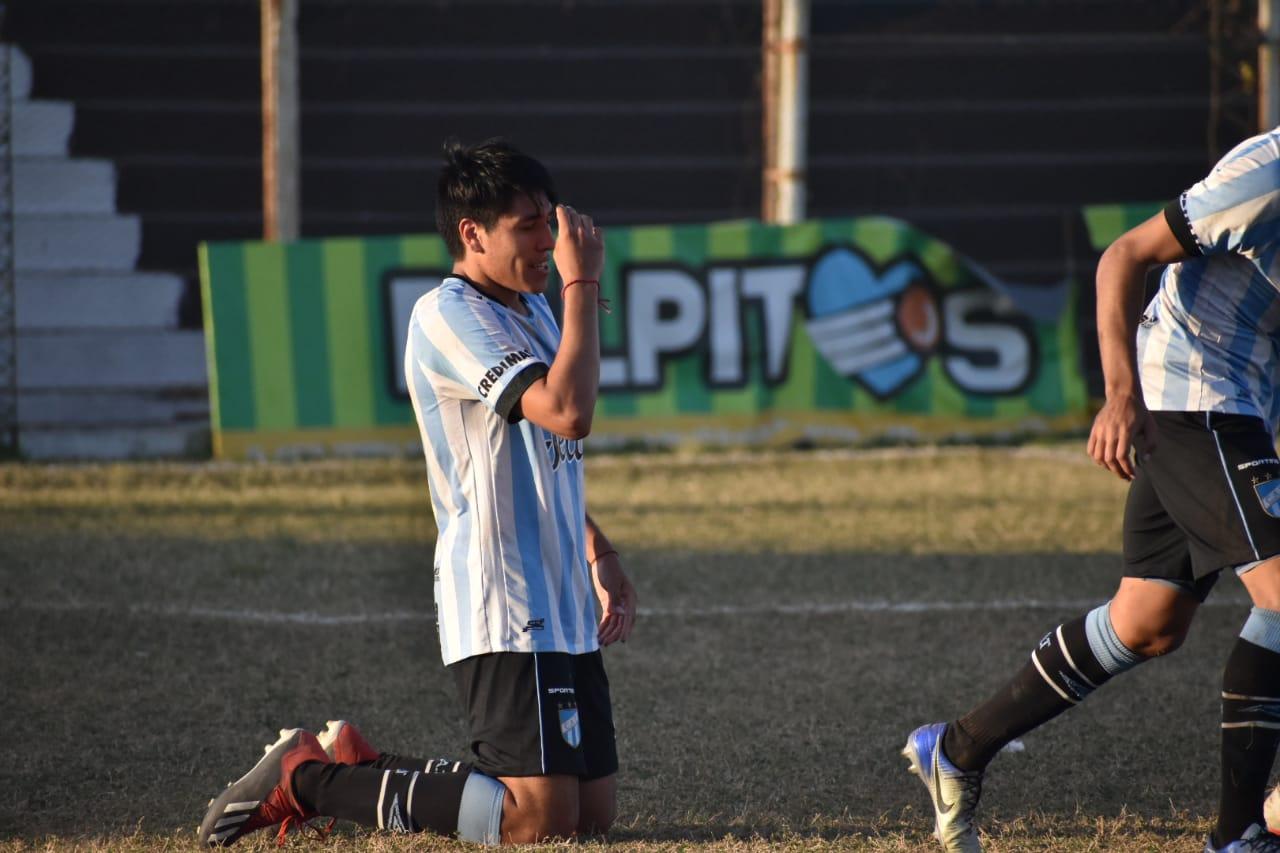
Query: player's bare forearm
[1122, 272]
[613, 588]
[565, 400]
[1124, 421]
[597, 542]
[1120, 281]
[574, 378]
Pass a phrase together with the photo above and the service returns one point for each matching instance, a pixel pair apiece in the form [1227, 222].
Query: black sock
[1250, 711]
[394, 792]
[1063, 670]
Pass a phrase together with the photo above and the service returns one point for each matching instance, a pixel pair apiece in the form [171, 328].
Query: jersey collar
[523, 302]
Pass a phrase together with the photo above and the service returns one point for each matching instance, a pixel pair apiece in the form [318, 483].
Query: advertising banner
[831, 330]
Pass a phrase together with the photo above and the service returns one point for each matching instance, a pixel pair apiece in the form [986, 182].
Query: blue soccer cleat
[1256, 839]
[954, 792]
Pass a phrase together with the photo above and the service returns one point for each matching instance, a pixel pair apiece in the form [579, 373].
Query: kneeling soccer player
[503, 399]
[1195, 390]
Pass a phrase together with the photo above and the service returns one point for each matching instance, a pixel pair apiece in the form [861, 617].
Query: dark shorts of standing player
[1207, 499]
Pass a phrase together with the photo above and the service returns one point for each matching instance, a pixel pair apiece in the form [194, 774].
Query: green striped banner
[732, 331]
[1106, 222]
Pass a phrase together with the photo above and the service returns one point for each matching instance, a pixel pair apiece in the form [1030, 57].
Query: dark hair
[481, 182]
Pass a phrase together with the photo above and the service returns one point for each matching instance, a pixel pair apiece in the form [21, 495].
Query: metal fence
[8, 294]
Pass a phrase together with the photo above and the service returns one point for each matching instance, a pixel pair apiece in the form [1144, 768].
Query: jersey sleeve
[473, 355]
[1235, 209]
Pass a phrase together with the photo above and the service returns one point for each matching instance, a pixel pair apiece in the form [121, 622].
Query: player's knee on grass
[534, 827]
[597, 819]
[593, 824]
[540, 808]
[597, 806]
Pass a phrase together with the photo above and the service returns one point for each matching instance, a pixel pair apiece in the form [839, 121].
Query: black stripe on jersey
[1181, 228]
[508, 405]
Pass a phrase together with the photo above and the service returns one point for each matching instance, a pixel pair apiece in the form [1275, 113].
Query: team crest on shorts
[1269, 496]
[569, 728]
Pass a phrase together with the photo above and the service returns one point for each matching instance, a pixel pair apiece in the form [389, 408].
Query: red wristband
[602, 303]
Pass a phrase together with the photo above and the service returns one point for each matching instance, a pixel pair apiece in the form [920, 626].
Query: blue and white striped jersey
[510, 565]
[1210, 339]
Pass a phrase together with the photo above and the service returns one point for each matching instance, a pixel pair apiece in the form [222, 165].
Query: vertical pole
[280, 181]
[1268, 64]
[786, 110]
[769, 109]
[1215, 78]
[9, 434]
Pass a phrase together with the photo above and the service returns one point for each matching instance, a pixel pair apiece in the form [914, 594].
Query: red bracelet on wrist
[602, 303]
[593, 560]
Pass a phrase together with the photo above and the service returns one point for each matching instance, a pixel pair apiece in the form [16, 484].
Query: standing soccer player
[503, 399]
[1192, 387]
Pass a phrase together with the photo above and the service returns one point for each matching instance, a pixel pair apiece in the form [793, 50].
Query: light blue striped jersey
[1210, 338]
[510, 565]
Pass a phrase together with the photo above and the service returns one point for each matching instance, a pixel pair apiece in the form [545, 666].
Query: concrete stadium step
[136, 359]
[134, 442]
[79, 242]
[42, 128]
[559, 130]
[198, 22]
[143, 71]
[75, 300]
[169, 73]
[914, 17]
[154, 186]
[195, 22]
[222, 128]
[59, 185]
[83, 408]
[19, 73]
[882, 180]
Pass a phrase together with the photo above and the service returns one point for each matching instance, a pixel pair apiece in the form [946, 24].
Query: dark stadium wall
[988, 125]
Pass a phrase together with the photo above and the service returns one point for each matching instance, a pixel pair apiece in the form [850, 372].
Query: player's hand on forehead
[571, 217]
[579, 251]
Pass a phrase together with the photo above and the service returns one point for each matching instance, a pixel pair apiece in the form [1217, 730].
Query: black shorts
[1207, 499]
[538, 713]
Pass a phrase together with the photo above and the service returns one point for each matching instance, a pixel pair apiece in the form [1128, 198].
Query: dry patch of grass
[929, 501]
[795, 627]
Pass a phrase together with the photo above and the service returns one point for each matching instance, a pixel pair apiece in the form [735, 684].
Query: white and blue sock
[1067, 665]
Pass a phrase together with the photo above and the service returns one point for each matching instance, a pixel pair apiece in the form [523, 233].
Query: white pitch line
[277, 617]
[1068, 452]
[266, 617]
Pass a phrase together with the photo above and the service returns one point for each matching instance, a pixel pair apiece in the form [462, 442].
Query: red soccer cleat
[264, 796]
[344, 744]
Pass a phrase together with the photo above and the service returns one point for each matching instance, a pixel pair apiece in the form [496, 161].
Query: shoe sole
[226, 816]
[332, 729]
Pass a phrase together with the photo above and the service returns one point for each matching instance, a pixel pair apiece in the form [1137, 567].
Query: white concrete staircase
[103, 370]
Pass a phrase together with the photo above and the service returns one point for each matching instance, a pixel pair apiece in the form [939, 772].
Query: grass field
[800, 613]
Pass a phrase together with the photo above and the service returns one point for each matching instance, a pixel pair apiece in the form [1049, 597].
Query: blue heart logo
[872, 327]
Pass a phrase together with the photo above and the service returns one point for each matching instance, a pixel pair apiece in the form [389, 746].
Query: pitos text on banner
[877, 326]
